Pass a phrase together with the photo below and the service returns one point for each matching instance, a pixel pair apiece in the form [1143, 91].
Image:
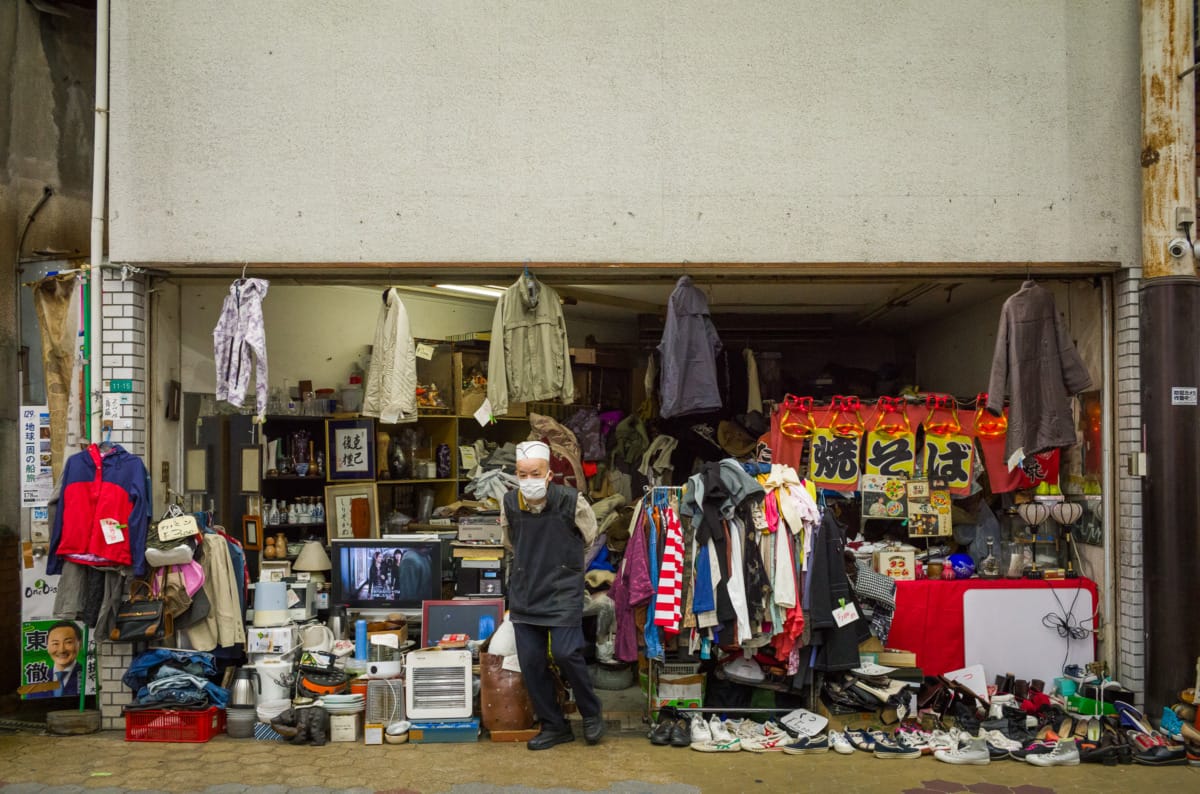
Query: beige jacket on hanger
[391, 390]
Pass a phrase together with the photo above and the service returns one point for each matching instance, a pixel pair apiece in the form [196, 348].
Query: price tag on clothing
[759, 515]
[484, 415]
[845, 615]
[112, 530]
[425, 351]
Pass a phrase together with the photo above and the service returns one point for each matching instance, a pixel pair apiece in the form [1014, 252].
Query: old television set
[396, 573]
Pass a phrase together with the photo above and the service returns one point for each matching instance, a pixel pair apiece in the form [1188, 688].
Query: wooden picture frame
[251, 469]
[350, 449]
[346, 517]
[251, 533]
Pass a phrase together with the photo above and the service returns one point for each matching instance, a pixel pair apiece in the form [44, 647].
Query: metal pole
[1169, 357]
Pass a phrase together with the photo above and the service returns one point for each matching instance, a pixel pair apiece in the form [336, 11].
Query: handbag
[874, 586]
[141, 616]
[168, 585]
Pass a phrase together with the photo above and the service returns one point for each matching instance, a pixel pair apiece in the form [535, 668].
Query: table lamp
[314, 560]
[1066, 515]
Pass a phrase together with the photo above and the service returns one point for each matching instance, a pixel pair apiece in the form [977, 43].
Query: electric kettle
[246, 688]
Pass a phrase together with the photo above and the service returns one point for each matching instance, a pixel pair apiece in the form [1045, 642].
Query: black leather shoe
[1162, 756]
[548, 738]
[660, 734]
[593, 729]
[681, 733]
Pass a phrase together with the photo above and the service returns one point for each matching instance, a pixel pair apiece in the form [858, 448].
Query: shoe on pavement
[593, 729]
[889, 749]
[1033, 748]
[1174, 755]
[861, 740]
[548, 738]
[999, 740]
[975, 753]
[1065, 753]
[806, 745]
[943, 740]
[768, 743]
[840, 743]
[701, 732]
[660, 734]
[681, 733]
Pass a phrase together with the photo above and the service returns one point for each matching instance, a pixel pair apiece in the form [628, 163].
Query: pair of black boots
[593, 731]
[671, 730]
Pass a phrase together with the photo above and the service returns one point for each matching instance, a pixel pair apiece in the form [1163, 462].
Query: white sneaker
[700, 730]
[718, 730]
[975, 753]
[722, 740]
[998, 739]
[840, 743]
[1065, 753]
[942, 740]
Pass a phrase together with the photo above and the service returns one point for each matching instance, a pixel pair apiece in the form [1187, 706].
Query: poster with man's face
[52, 659]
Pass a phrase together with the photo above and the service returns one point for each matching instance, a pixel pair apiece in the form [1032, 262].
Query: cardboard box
[373, 733]
[900, 564]
[392, 637]
[344, 727]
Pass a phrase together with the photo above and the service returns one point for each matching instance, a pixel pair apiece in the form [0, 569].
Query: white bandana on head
[533, 450]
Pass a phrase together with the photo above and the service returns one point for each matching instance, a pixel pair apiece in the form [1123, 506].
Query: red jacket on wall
[95, 487]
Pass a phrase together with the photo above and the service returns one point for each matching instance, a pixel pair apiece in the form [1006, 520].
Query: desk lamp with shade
[1066, 515]
[1033, 514]
[313, 560]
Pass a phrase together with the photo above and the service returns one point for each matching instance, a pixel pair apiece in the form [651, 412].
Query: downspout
[95, 325]
[1108, 478]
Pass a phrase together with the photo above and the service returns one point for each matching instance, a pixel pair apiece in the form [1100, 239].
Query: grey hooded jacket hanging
[689, 351]
[1037, 366]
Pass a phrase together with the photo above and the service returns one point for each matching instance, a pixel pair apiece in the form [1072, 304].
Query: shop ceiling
[816, 295]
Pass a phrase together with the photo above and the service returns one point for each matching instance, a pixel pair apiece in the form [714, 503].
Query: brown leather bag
[504, 701]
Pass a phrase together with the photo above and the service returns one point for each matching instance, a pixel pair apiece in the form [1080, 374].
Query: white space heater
[437, 685]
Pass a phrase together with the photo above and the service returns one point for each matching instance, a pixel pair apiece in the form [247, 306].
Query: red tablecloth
[929, 616]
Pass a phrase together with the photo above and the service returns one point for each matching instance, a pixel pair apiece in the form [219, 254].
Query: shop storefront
[851, 408]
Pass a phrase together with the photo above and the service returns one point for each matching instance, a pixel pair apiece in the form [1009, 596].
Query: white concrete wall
[624, 130]
[317, 332]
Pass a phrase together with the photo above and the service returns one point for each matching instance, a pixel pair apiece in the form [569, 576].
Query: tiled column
[1131, 636]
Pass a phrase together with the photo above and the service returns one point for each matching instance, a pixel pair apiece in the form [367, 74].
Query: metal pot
[246, 689]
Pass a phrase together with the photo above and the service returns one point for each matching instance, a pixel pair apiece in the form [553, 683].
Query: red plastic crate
[170, 725]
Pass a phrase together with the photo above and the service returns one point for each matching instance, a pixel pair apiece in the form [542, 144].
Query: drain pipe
[95, 328]
[1108, 478]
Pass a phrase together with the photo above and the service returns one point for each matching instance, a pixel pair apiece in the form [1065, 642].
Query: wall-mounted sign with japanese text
[52, 659]
[36, 479]
[951, 458]
[929, 509]
[833, 461]
[891, 454]
[351, 449]
[884, 497]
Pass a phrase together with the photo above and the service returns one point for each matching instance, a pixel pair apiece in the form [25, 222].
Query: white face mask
[534, 490]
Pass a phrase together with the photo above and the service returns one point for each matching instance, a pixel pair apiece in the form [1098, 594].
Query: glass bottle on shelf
[294, 515]
[307, 511]
[318, 510]
[273, 513]
[319, 462]
[300, 452]
[399, 461]
[283, 512]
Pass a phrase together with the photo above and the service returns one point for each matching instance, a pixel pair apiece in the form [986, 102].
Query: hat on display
[754, 423]
[744, 671]
[734, 439]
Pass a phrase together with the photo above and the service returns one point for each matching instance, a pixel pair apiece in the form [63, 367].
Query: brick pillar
[1130, 622]
[122, 357]
[114, 659]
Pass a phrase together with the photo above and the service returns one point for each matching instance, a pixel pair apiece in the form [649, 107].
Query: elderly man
[549, 528]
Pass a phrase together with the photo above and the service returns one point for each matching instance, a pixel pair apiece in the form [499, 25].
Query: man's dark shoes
[660, 734]
[549, 737]
[593, 728]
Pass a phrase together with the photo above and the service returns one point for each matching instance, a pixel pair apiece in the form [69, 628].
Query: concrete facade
[627, 130]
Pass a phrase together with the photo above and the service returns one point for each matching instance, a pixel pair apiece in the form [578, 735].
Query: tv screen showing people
[387, 573]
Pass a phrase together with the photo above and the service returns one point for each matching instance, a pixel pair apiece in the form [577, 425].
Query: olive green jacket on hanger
[529, 358]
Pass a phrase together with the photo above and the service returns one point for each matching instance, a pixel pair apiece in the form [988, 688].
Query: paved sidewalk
[105, 764]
